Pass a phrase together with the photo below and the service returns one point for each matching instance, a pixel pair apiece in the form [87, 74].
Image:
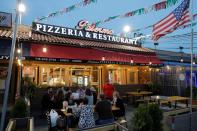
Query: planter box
[180, 121]
[26, 124]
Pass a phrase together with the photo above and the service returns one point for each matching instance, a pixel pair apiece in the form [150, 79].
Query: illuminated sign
[83, 34]
[83, 24]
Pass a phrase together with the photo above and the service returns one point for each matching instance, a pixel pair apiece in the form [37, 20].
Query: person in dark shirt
[104, 110]
[47, 101]
[118, 102]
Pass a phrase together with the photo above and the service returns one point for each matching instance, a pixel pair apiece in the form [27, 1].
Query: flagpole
[191, 70]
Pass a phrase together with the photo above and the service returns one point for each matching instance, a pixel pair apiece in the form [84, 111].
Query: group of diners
[88, 108]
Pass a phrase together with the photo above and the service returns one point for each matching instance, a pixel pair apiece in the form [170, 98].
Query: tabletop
[139, 93]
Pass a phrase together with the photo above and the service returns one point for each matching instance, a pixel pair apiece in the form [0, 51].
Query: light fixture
[21, 7]
[168, 67]
[44, 49]
[18, 50]
[103, 58]
[126, 28]
[150, 63]
[194, 63]
[19, 62]
[181, 59]
[131, 61]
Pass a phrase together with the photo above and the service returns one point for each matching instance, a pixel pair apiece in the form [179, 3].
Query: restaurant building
[59, 56]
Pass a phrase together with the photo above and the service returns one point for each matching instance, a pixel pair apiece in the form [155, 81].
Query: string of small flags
[66, 10]
[156, 7]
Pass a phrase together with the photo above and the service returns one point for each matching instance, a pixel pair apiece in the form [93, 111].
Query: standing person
[108, 90]
[48, 100]
[86, 119]
[118, 102]
[104, 110]
[81, 92]
[94, 95]
[89, 96]
[59, 99]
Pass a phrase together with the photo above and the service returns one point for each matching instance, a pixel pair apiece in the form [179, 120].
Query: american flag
[177, 18]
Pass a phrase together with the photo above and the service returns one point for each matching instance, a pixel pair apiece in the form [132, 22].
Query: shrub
[19, 110]
[157, 116]
[142, 119]
[27, 88]
[187, 92]
[155, 88]
[148, 118]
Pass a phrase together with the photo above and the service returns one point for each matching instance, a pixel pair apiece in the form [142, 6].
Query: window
[132, 77]
[53, 76]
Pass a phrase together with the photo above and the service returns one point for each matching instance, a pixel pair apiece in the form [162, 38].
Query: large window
[30, 72]
[114, 76]
[81, 76]
[52, 76]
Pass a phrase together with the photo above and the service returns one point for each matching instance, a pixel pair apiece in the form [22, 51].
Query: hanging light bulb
[181, 59]
[18, 50]
[150, 63]
[131, 61]
[194, 63]
[44, 49]
[103, 58]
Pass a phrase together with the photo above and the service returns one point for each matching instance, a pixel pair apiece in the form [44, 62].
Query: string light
[18, 51]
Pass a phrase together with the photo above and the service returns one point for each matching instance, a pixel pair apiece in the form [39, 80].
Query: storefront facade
[61, 60]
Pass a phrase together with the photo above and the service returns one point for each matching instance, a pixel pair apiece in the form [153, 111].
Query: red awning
[54, 51]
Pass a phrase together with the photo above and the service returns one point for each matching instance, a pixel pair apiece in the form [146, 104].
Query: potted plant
[155, 88]
[19, 115]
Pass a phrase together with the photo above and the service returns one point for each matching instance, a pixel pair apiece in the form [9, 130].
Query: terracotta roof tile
[25, 33]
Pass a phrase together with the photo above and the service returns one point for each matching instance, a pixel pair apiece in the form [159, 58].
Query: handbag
[61, 122]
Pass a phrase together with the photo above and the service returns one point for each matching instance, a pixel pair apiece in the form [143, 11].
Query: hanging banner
[156, 7]
[83, 34]
[66, 10]
[5, 19]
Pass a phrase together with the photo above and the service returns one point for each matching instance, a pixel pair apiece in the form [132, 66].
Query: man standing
[108, 90]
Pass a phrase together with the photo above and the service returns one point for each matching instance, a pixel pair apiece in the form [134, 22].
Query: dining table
[170, 99]
[135, 94]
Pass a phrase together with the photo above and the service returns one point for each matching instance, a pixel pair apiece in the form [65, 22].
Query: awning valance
[65, 52]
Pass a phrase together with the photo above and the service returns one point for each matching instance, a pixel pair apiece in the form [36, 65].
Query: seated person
[89, 96]
[118, 102]
[104, 110]
[86, 119]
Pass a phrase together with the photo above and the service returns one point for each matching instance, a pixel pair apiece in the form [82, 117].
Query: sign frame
[81, 34]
